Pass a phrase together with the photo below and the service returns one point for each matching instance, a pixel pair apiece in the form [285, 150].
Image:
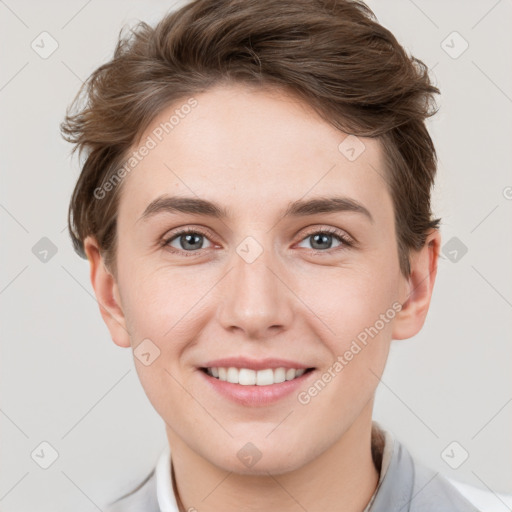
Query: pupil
[321, 237]
[187, 238]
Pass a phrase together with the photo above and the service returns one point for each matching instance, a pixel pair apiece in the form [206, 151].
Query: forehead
[243, 146]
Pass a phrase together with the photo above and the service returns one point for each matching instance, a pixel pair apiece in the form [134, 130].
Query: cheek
[347, 301]
[362, 322]
[159, 301]
[366, 314]
[358, 307]
[163, 311]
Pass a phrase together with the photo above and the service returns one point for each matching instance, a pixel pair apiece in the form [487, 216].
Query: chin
[274, 467]
[249, 460]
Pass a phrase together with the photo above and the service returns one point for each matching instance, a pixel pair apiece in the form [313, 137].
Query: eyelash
[344, 239]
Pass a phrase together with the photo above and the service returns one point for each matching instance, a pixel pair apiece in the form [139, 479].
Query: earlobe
[420, 284]
[107, 294]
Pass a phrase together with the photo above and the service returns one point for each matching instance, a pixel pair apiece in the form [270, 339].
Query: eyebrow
[299, 208]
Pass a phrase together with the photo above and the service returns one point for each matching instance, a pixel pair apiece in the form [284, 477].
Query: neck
[343, 477]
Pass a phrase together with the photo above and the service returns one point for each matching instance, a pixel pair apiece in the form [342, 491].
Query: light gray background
[64, 381]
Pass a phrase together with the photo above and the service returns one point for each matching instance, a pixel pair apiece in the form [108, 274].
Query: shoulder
[432, 491]
[407, 485]
[428, 490]
[143, 497]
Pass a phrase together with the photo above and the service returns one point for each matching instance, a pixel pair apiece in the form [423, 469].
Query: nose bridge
[255, 298]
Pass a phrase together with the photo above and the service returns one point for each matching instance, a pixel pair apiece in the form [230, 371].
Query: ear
[107, 294]
[419, 286]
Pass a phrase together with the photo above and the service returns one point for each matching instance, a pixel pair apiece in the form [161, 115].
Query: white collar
[387, 452]
[164, 491]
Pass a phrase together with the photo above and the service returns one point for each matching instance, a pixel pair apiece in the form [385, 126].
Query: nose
[255, 297]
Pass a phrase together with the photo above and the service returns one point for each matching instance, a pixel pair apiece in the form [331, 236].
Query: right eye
[188, 241]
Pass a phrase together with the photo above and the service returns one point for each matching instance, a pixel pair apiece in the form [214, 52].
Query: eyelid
[332, 231]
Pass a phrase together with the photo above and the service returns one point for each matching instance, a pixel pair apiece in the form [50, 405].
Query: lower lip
[255, 396]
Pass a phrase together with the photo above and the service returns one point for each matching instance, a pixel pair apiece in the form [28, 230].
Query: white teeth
[264, 377]
[279, 375]
[232, 375]
[247, 377]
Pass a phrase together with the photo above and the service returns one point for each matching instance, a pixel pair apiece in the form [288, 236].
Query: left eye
[322, 240]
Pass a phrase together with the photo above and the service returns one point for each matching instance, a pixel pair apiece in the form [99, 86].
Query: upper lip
[254, 364]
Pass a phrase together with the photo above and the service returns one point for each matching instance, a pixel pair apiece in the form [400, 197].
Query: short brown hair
[332, 54]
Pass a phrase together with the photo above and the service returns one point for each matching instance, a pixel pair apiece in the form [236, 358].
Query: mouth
[250, 377]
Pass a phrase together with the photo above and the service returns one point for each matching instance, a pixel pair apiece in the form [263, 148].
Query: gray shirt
[405, 485]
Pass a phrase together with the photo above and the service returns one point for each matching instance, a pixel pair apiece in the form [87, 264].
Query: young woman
[255, 209]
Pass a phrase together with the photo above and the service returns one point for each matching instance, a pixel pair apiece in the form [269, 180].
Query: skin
[237, 146]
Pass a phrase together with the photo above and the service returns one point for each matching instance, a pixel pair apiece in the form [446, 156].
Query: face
[279, 281]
